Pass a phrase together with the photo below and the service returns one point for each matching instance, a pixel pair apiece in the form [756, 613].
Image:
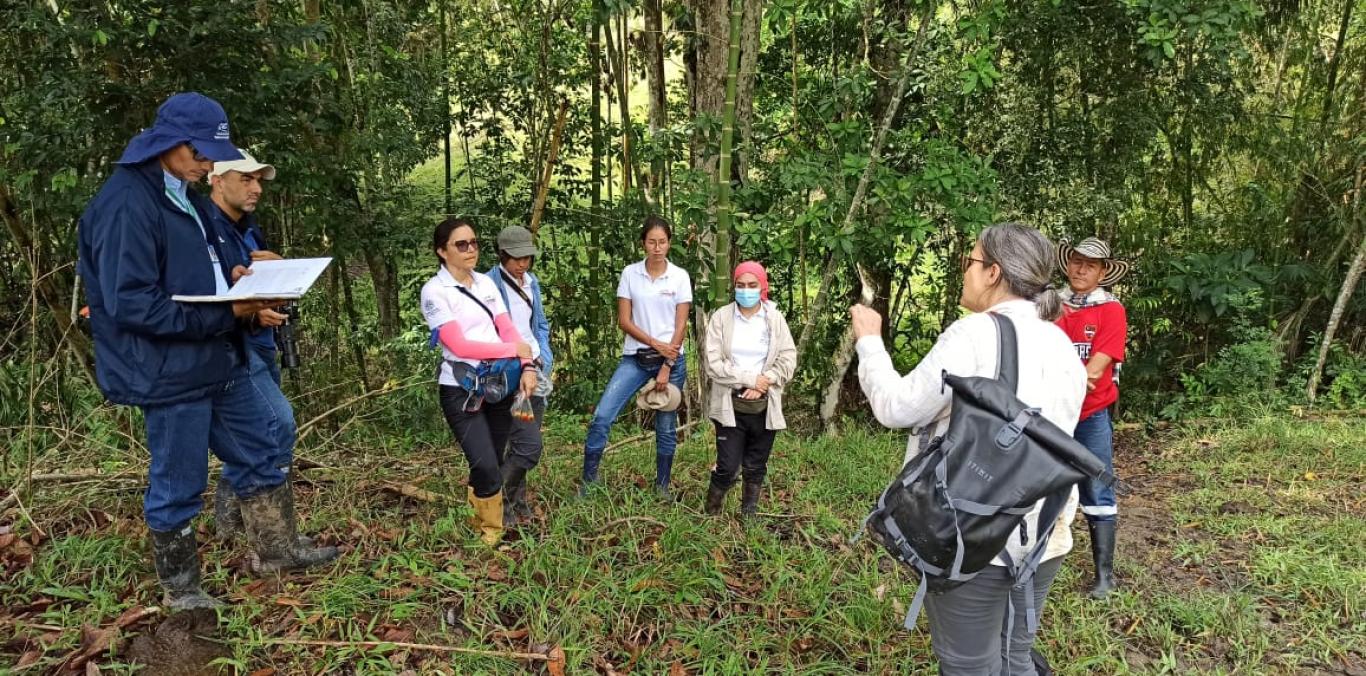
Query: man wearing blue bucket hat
[143, 238]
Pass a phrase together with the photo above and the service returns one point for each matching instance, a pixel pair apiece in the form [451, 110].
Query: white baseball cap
[246, 165]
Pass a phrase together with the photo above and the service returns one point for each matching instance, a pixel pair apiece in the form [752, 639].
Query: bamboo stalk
[544, 188]
[721, 266]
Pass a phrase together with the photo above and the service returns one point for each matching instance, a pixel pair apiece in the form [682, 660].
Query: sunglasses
[967, 262]
[196, 154]
[465, 245]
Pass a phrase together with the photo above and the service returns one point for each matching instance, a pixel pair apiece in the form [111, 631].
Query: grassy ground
[1240, 552]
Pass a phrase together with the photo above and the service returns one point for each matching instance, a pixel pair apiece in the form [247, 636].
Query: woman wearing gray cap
[522, 295]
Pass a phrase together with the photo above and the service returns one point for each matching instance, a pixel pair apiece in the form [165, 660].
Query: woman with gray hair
[1007, 273]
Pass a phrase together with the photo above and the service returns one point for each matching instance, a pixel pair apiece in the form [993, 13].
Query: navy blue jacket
[241, 238]
[137, 249]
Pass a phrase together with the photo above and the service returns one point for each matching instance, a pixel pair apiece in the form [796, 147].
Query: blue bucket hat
[187, 117]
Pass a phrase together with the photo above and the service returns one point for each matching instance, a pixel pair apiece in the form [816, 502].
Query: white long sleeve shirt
[1050, 378]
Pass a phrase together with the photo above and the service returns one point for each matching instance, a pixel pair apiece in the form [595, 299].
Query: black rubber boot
[176, 555]
[514, 494]
[227, 513]
[1041, 666]
[715, 496]
[664, 465]
[1103, 552]
[590, 473]
[749, 499]
[272, 529]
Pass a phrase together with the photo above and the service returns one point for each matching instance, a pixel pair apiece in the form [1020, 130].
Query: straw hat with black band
[1096, 248]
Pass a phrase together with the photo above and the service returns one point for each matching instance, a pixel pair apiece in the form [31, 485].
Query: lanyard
[220, 284]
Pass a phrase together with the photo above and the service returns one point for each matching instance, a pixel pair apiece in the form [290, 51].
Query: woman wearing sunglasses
[482, 354]
[653, 298]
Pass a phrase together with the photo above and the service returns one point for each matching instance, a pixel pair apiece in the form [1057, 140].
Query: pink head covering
[757, 270]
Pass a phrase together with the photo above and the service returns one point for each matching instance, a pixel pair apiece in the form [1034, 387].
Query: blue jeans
[179, 437]
[1097, 434]
[621, 389]
[265, 374]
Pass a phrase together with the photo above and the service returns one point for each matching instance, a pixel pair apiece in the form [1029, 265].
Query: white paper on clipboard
[287, 279]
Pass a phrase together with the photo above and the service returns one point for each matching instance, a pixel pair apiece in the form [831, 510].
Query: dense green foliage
[1220, 145]
[1216, 144]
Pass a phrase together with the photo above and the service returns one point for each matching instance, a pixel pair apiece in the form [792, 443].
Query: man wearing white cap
[1097, 324]
[236, 188]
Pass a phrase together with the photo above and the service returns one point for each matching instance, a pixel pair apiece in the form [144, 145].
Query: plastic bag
[521, 409]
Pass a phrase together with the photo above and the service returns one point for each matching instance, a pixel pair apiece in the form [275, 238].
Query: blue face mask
[747, 298]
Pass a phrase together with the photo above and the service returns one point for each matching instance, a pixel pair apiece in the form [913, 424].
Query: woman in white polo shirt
[471, 322]
[653, 299]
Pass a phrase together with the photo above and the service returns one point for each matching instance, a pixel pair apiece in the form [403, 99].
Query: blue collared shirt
[176, 191]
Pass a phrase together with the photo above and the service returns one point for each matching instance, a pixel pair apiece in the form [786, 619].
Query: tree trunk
[1326, 115]
[353, 318]
[544, 190]
[384, 274]
[654, 70]
[1345, 294]
[856, 203]
[595, 214]
[844, 355]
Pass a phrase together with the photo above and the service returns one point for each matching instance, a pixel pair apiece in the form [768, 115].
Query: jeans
[622, 388]
[483, 437]
[265, 373]
[968, 623]
[745, 446]
[1097, 434]
[179, 437]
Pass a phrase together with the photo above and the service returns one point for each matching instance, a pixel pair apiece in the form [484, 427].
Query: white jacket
[1051, 378]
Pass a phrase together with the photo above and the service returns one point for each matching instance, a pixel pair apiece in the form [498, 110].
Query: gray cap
[515, 241]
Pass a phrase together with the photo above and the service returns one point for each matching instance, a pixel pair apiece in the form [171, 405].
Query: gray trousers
[968, 623]
[524, 441]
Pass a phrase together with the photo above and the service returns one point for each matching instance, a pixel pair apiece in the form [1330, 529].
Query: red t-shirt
[1097, 328]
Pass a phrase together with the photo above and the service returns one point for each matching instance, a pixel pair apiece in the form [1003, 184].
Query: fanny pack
[490, 380]
[748, 406]
[649, 358]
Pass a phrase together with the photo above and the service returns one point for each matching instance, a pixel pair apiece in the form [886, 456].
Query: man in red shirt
[1095, 321]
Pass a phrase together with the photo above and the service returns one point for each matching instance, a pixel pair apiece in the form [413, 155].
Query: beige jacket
[725, 377]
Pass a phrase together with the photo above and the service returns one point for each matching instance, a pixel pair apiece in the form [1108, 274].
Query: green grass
[1240, 553]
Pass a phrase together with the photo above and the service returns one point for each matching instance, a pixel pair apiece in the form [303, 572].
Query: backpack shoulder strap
[1007, 352]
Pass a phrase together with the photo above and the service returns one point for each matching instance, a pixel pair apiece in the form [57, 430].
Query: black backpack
[952, 508]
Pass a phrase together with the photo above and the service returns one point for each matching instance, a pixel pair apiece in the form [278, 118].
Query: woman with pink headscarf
[749, 355]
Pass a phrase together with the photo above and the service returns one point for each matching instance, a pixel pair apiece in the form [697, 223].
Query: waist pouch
[748, 406]
[649, 358]
[493, 380]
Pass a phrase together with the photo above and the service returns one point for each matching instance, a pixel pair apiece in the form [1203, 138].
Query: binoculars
[285, 339]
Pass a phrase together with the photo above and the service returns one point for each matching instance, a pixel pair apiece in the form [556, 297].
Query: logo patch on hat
[222, 134]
